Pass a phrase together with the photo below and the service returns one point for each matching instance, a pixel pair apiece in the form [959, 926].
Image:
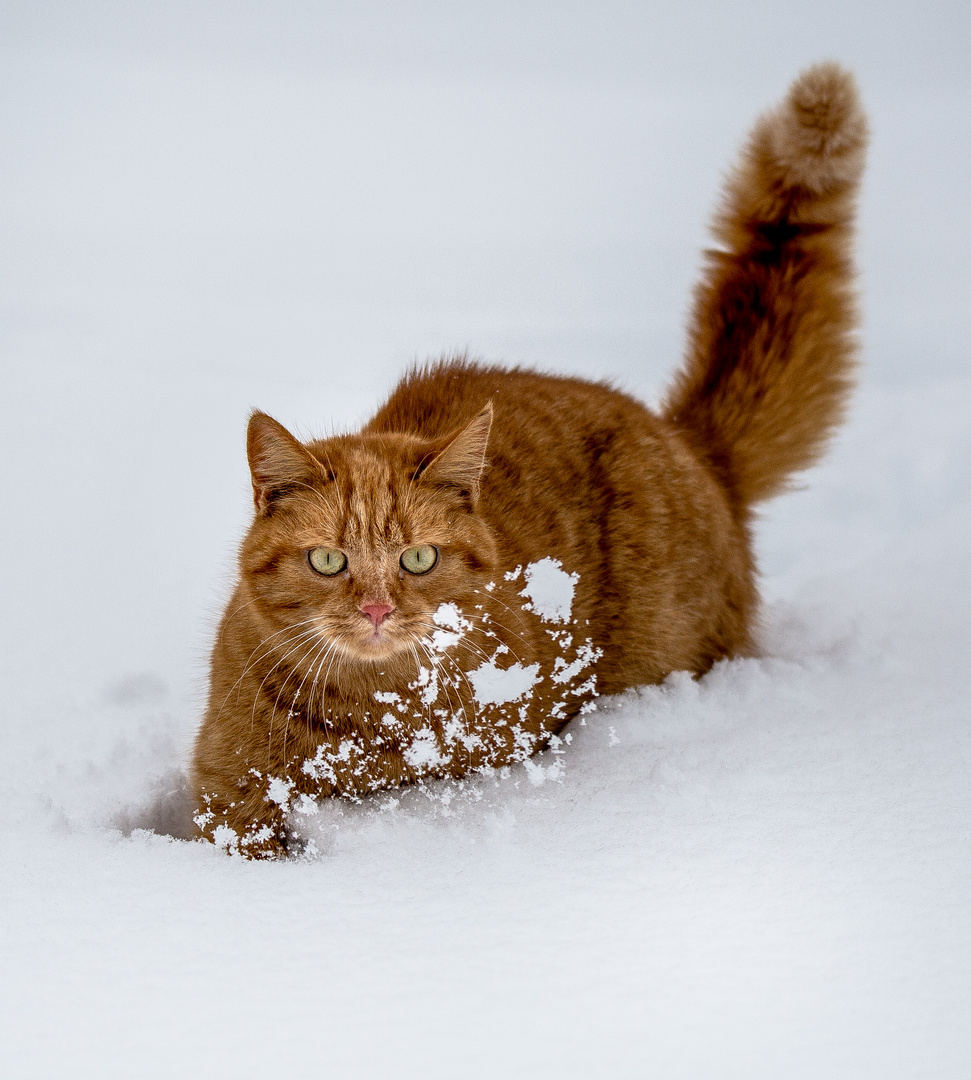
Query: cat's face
[358, 540]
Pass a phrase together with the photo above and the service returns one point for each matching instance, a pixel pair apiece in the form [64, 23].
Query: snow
[765, 873]
[448, 616]
[549, 590]
[423, 749]
[493, 685]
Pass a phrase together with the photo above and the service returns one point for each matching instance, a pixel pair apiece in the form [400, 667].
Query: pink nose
[377, 612]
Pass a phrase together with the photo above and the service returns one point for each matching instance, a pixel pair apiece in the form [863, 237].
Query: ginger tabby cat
[443, 591]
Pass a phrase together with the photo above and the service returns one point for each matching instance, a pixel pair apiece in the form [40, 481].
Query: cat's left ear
[278, 462]
[461, 462]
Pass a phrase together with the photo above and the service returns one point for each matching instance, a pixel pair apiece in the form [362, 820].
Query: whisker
[239, 607]
[293, 704]
[252, 660]
[337, 652]
[418, 669]
[448, 683]
[465, 711]
[485, 623]
[332, 646]
[512, 611]
[301, 638]
[472, 645]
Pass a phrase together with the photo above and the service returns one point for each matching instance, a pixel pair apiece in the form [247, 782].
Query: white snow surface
[762, 874]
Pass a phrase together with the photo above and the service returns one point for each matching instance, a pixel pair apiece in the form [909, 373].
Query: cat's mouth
[378, 642]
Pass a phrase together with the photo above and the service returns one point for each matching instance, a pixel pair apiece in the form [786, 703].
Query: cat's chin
[376, 648]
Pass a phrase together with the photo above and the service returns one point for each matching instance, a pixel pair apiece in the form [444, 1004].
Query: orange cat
[444, 590]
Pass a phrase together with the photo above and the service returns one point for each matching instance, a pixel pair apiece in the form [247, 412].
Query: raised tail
[771, 344]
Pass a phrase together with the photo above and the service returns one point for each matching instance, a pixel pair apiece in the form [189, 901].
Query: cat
[445, 590]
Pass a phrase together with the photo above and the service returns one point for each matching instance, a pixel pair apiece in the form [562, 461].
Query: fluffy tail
[771, 341]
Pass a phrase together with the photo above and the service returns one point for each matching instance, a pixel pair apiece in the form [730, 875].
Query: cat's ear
[462, 460]
[277, 461]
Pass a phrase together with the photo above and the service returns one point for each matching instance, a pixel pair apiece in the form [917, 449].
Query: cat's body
[444, 590]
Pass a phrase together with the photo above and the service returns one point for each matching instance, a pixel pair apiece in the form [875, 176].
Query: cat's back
[560, 452]
[434, 400]
[583, 473]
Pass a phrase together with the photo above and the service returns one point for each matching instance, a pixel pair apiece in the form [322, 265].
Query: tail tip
[818, 135]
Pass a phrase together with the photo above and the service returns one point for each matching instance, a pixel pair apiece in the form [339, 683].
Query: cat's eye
[327, 561]
[419, 560]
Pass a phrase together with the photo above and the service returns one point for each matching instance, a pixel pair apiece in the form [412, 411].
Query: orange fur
[371, 676]
[770, 345]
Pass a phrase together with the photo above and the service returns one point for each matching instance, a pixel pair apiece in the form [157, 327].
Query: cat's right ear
[277, 461]
[460, 463]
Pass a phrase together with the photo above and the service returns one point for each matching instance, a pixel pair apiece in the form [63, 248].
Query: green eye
[327, 561]
[419, 560]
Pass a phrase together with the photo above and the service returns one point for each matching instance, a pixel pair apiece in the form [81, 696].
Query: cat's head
[359, 539]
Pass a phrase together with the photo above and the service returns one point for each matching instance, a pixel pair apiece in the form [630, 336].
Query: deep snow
[766, 873]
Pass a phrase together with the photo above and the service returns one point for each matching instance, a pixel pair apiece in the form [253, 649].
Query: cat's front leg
[244, 816]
